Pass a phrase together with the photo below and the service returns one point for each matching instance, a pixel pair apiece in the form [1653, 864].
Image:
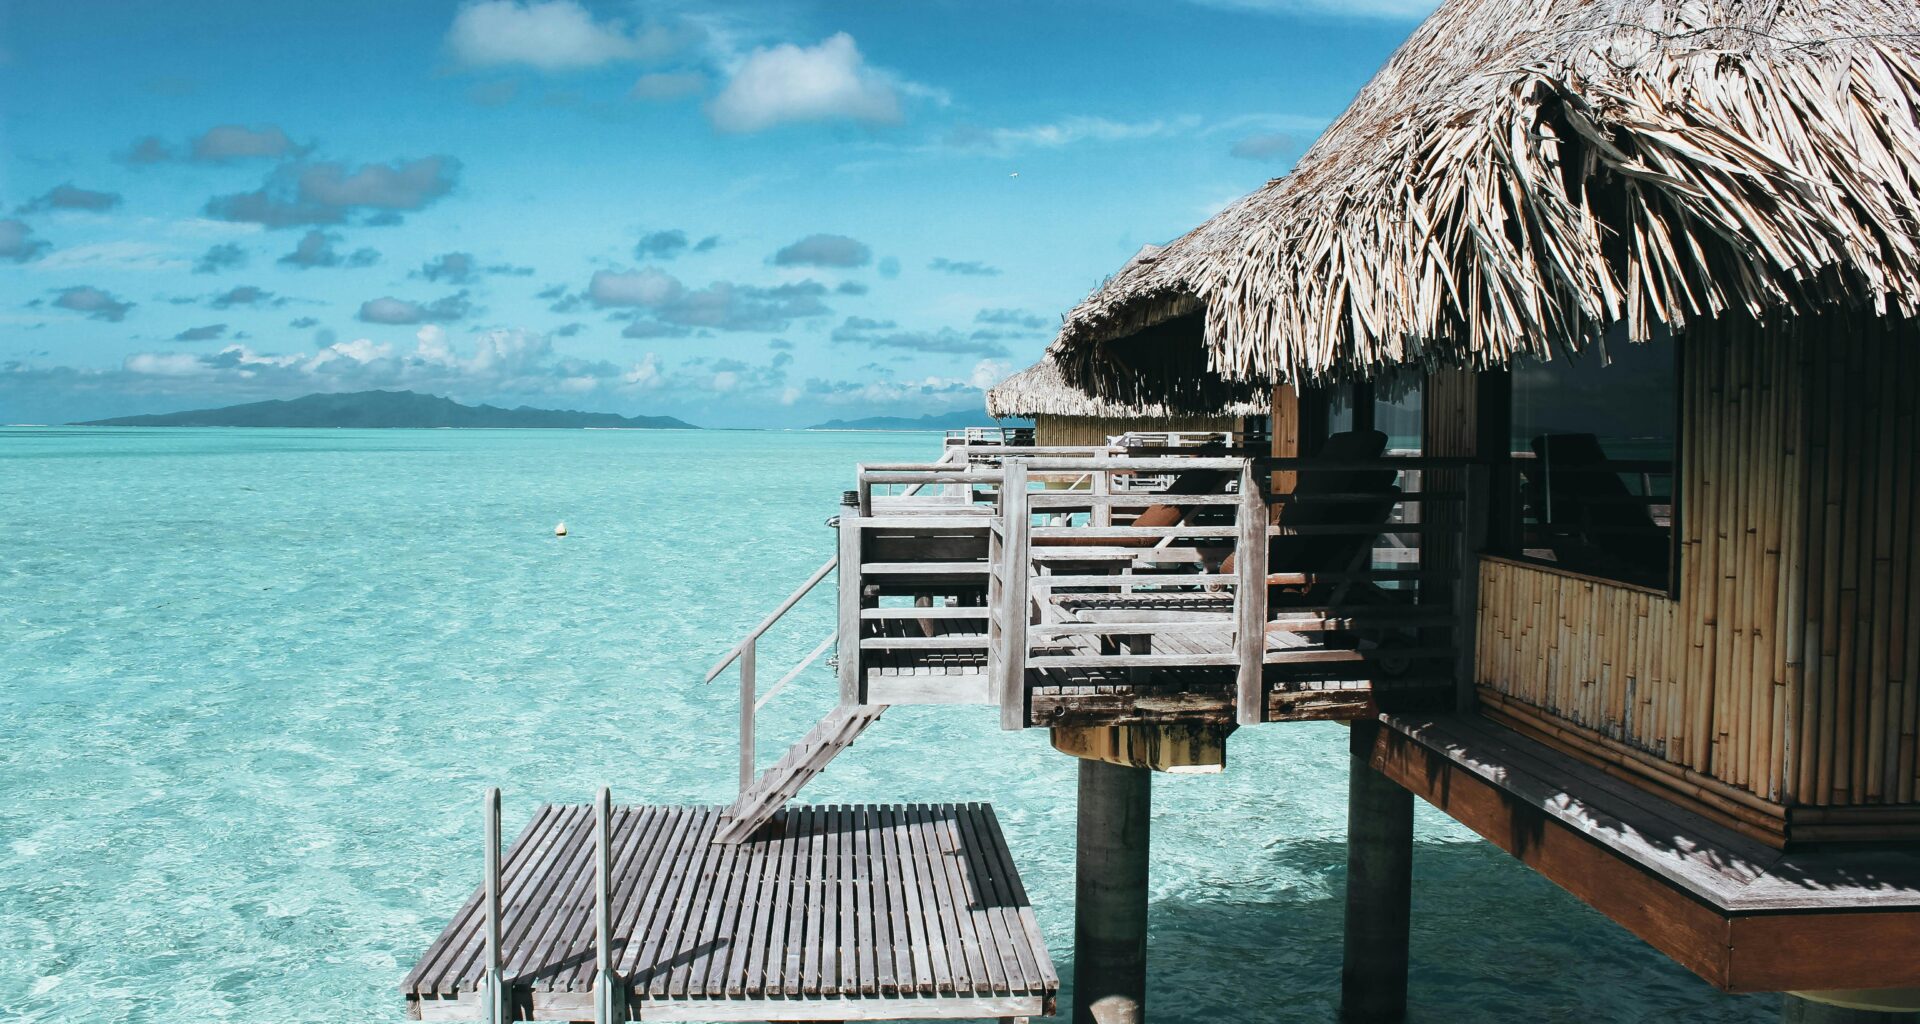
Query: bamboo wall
[1094, 430]
[1854, 692]
[1590, 653]
[1784, 668]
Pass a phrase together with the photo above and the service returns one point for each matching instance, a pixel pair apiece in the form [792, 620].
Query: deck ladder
[763, 794]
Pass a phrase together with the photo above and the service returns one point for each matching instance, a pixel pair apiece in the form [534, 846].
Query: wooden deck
[832, 913]
[1742, 915]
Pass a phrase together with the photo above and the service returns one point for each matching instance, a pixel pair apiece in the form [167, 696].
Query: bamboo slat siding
[1855, 695]
[1589, 653]
[1092, 430]
[1785, 667]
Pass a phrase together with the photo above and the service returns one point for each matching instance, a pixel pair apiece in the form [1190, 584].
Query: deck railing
[1080, 588]
[746, 652]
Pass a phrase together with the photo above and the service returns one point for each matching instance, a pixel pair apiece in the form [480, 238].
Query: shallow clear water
[253, 682]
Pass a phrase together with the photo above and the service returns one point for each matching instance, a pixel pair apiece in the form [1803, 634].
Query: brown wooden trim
[1661, 915]
[1736, 952]
[1781, 952]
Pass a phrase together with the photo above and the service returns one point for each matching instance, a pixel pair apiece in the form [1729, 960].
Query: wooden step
[804, 760]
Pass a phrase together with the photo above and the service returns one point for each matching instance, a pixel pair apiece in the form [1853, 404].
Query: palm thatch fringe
[1523, 176]
[1040, 390]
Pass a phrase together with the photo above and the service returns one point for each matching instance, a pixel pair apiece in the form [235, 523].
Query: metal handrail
[746, 652]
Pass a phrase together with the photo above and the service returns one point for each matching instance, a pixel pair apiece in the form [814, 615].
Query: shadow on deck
[830, 912]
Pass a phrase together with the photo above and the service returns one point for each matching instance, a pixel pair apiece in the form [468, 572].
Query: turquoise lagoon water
[252, 684]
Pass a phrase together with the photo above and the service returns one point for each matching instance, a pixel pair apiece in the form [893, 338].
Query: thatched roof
[1525, 175]
[1040, 390]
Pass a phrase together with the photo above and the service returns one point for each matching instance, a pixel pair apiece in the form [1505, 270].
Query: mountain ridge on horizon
[398, 409]
[953, 419]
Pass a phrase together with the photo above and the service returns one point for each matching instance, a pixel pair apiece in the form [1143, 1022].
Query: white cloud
[789, 83]
[1065, 132]
[646, 373]
[114, 256]
[644, 287]
[556, 35]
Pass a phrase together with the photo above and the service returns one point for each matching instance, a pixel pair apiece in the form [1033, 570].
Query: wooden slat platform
[864, 912]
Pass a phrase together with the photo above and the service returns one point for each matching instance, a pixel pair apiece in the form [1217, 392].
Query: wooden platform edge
[1777, 949]
[532, 1005]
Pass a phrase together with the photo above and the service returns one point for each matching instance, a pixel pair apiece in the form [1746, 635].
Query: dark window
[1593, 448]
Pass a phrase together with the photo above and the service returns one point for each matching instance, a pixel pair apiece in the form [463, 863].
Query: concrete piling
[1110, 894]
[1373, 974]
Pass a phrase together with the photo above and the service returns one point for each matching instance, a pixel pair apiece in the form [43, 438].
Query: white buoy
[560, 530]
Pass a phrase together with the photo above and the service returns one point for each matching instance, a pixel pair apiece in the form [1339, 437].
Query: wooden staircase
[771, 790]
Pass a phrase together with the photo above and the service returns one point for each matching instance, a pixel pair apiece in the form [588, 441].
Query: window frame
[1506, 500]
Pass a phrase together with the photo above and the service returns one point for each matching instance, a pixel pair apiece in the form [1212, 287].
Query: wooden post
[496, 1002]
[1361, 398]
[608, 1004]
[1466, 590]
[1250, 601]
[1286, 436]
[1110, 894]
[1101, 486]
[851, 684]
[1373, 976]
[1798, 1009]
[1015, 567]
[747, 699]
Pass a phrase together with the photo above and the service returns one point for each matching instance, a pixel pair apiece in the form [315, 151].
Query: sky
[743, 214]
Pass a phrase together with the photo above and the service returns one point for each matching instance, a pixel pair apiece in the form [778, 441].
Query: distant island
[954, 420]
[387, 409]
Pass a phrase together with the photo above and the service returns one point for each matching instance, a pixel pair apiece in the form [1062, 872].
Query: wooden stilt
[1373, 976]
[1110, 895]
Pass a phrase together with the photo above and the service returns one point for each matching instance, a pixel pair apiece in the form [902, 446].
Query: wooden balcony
[1124, 586]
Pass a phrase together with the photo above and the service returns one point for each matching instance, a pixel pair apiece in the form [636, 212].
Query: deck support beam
[1373, 975]
[1110, 894]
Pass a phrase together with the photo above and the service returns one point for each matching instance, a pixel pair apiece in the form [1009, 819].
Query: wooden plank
[909, 927]
[923, 613]
[442, 965]
[788, 849]
[859, 873]
[1088, 499]
[1652, 909]
[997, 928]
[750, 976]
[691, 873]
[843, 958]
[1032, 954]
[537, 919]
[936, 900]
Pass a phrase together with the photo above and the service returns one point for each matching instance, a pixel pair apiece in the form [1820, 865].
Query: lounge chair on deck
[1592, 521]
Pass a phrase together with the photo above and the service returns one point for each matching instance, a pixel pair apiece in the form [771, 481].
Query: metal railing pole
[747, 659]
[607, 1001]
[497, 1005]
[1250, 601]
[1015, 569]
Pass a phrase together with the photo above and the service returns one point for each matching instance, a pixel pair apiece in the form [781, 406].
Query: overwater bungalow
[1064, 415]
[1640, 609]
